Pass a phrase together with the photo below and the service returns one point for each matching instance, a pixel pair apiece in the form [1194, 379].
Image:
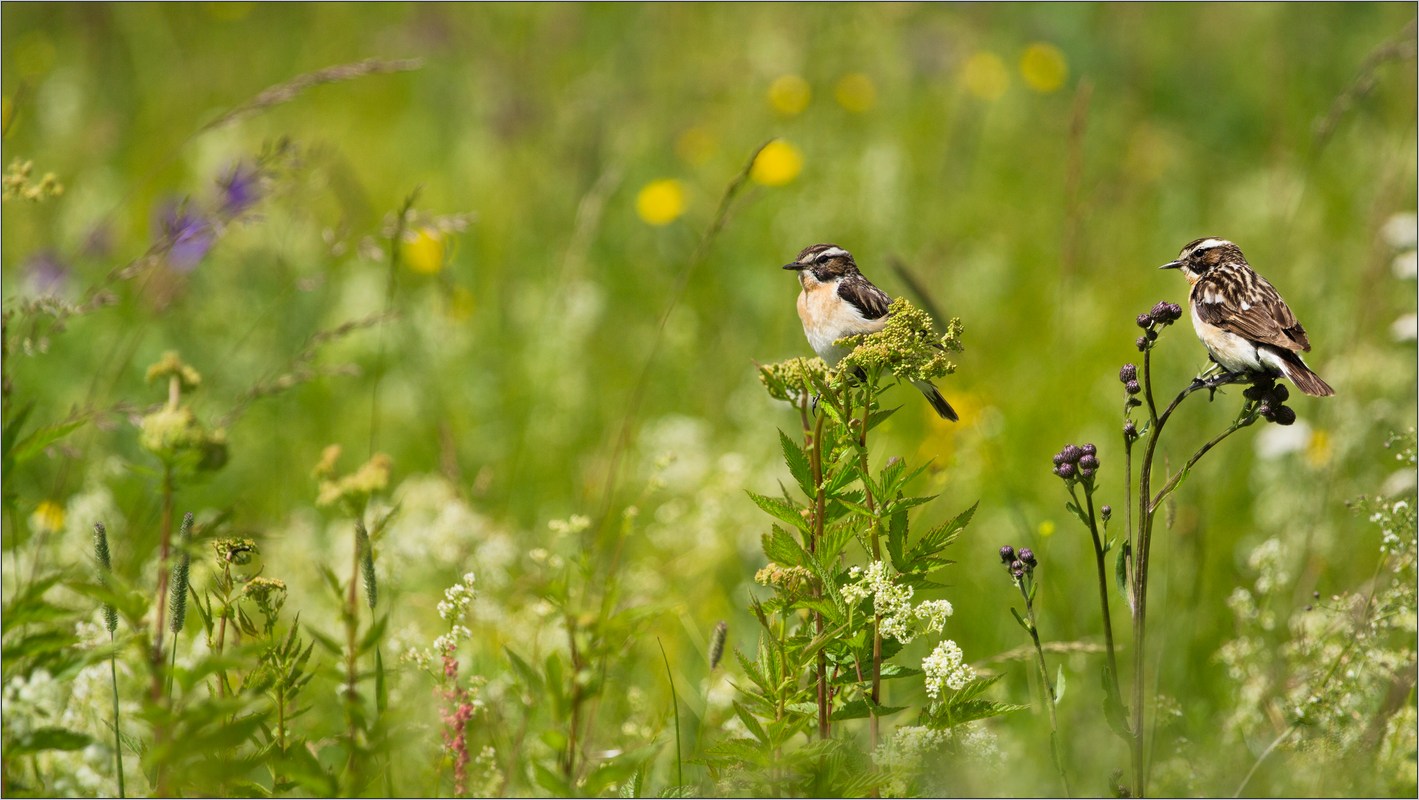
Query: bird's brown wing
[869, 301]
[1244, 303]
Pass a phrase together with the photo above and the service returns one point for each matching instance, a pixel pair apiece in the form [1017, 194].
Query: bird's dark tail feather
[933, 395]
[1298, 373]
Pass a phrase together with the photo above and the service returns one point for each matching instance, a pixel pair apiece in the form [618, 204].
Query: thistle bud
[1065, 470]
[1027, 556]
[1284, 415]
[1106, 512]
[1088, 449]
[1143, 320]
[1007, 554]
[1142, 343]
[1128, 373]
[1071, 453]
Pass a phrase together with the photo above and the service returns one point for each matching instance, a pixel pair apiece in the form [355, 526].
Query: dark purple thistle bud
[1128, 373]
[1174, 311]
[1265, 411]
[1058, 459]
[1071, 453]
[1254, 392]
[1159, 313]
[1133, 387]
[1284, 415]
[1086, 472]
[1143, 320]
[1129, 429]
[1106, 512]
[1017, 569]
[1150, 334]
[1089, 449]
[1065, 470]
[1088, 464]
[1007, 554]
[1028, 557]
[1279, 394]
[1142, 343]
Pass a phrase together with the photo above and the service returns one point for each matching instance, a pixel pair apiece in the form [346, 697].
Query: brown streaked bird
[837, 301]
[1240, 317]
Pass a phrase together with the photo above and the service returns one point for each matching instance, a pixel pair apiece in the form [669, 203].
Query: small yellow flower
[1043, 67]
[790, 95]
[856, 93]
[777, 164]
[48, 517]
[985, 76]
[1046, 528]
[661, 202]
[696, 145]
[426, 251]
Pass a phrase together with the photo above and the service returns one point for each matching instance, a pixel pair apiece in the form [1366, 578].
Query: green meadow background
[558, 347]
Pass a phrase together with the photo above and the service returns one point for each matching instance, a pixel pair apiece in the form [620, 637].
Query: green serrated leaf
[782, 510]
[798, 464]
[781, 548]
[941, 537]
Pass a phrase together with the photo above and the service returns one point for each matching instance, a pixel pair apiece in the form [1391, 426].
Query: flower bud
[1159, 312]
[1284, 415]
[1265, 411]
[1065, 470]
[1129, 429]
[1071, 453]
[1132, 387]
[1007, 554]
[1127, 373]
[1028, 557]
[1089, 449]
[1143, 320]
[1017, 569]
[1279, 393]
[1106, 512]
[1142, 343]
[1089, 463]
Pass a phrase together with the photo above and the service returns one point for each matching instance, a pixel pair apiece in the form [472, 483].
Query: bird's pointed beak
[794, 266]
[1171, 265]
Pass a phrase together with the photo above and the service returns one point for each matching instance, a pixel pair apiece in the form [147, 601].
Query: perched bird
[838, 301]
[1241, 319]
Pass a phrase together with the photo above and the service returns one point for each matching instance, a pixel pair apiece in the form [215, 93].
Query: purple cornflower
[188, 235]
[241, 188]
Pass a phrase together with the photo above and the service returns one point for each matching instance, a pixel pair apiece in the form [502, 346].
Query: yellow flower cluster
[1043, 68]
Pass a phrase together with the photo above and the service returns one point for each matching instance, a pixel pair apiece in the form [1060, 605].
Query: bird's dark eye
[821, 259]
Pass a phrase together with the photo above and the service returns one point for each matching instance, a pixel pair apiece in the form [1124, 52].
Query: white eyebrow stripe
[832, 252]
[1208, 244]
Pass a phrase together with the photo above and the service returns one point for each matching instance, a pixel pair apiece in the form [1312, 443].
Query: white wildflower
[946, 668]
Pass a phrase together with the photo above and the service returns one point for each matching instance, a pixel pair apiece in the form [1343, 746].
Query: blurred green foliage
[1026, 165]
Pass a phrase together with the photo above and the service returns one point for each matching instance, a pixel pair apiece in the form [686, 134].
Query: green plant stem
[819, 509]
[1103, 586]
[675, 704]
[165, 543]
[1147, 511]
[352, 626]
[1050, 699]
[874, 723]
[117, 718]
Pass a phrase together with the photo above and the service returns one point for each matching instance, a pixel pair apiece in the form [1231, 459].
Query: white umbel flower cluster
[946, 668]
[900, 620]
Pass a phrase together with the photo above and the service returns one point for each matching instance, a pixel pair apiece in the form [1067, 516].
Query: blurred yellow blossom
[696, 145]
[1318, 449]
[48, 517]
[985, 76]
[777, 164]
[661, 202]
[426, 251]
[1043, 67]
[856, 93]
[353, 490]
[790, 95]
[1046, 529]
